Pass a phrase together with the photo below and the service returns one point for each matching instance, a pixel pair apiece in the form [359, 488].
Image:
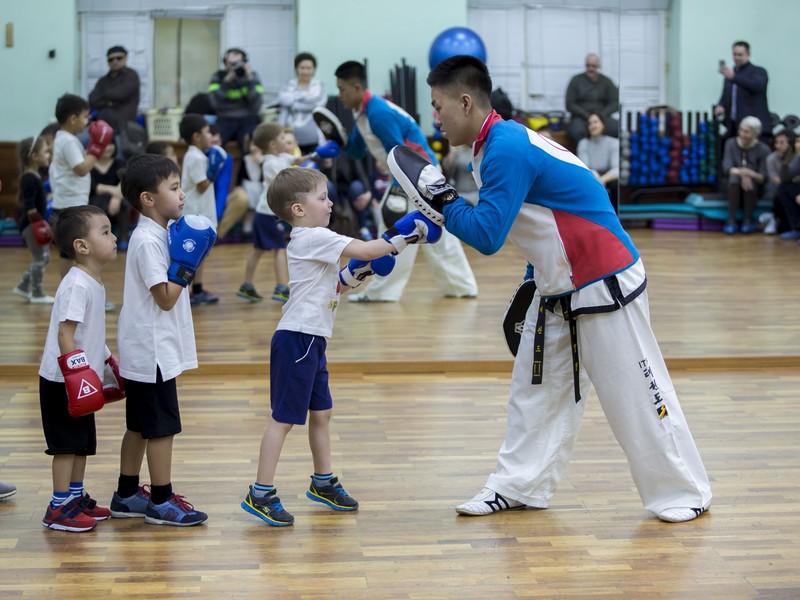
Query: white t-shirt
[146, 335]
[80, 298]
[313, 255]
[194, 171]
[69, 189]
[272, 165]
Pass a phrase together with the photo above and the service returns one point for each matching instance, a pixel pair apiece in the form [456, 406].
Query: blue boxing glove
[356, 271]
[190, 240]
[216, 160]
[414, 228]
[327, 150]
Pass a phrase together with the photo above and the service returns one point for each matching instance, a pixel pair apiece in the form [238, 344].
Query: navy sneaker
[332, 494]
[176, 512]
[268, 508]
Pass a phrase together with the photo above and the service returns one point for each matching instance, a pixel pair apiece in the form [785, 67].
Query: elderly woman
[600, 153]
[744, 162]
[298, 98]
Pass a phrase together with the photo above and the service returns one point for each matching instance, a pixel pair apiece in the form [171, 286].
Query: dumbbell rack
[669, 148]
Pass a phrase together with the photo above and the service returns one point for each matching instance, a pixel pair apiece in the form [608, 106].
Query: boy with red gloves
[78, 373]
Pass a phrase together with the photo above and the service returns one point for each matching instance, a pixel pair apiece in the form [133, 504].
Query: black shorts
[151, 409]
[64, 434]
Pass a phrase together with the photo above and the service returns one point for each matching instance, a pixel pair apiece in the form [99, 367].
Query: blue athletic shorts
[298, 375]
[268, 232]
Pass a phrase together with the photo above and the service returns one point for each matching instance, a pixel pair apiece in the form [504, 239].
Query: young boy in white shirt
[71, 165]
[156, 337]
[298, 366]
[78, 372]
[198, 171]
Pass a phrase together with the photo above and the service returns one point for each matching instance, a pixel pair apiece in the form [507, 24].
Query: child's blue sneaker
[176, 512]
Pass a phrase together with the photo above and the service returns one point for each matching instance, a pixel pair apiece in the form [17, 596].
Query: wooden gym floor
[420, 391]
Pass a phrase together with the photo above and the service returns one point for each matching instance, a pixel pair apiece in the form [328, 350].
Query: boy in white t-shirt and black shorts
[156, 337]
[78, 373]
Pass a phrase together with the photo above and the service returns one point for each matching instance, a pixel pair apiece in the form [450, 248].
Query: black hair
[237, 51]
[74, 223]
[115, 49]
[305, 56]
[191, 124]
[50, 130]
[69, 105]
[352, 70]
[144, 173]
[464, 72]
[743, 44]
[159, 147]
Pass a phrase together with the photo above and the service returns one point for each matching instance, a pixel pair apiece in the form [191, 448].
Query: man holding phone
[744, 92]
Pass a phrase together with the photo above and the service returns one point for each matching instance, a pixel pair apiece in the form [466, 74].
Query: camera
[239, 69]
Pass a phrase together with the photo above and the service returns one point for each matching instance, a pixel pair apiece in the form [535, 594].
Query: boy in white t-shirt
[198, 171]
[71, 165]
[78, 373]
[298, 367]
[155, 335]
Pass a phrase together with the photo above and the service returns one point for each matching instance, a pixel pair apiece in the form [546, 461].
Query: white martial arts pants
[447, 259]
[620, 356]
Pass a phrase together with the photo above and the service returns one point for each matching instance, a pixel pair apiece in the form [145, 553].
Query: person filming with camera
[236, 95]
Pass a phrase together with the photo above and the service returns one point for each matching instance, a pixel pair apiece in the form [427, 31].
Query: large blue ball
[455, 41]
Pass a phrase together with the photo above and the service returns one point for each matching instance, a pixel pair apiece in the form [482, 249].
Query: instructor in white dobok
[588, 320]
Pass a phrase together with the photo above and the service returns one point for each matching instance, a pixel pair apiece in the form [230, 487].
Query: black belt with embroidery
[538, 341]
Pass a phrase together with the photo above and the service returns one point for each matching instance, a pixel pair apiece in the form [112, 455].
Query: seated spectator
[789, 195]
[106, 194]
[591, 92]
[600, 153]
[783, 142]
[115, 96]
[744, 163]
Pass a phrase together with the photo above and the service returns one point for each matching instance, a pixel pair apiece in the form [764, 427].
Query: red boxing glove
[100, 134]
[84, 388]
[42, 232]
[113, 386]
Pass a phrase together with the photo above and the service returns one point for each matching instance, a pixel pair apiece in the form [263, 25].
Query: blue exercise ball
[455, 41]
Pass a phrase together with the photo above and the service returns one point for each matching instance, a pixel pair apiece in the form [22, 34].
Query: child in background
[197, 181]
[298, 368]
[162, 148]
[71, 165]
[156, 337]
[77, 369]
[268, 150]
[232, 204]
[34, 154]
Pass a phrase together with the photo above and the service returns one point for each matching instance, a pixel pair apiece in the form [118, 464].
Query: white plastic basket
[163, 124]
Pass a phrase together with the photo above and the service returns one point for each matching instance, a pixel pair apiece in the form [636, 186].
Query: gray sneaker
[6, 490]
[132, 506]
